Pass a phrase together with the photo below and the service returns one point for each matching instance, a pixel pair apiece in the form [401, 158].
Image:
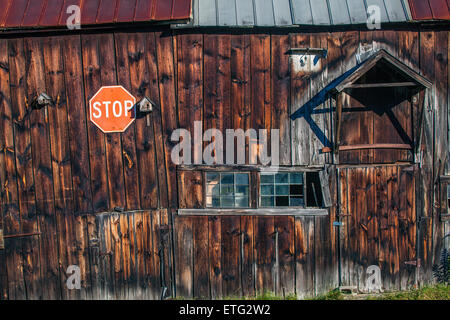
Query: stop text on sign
[112, 109]
[117, 108]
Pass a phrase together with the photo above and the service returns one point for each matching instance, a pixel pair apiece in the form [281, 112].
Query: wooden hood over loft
[382, 70]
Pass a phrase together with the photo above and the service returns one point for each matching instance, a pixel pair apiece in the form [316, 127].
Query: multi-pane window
[448, 198]
[227, 190]
[282, 190]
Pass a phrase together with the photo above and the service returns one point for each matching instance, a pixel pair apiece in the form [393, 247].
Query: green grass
[437, 292]
[263, 296]
[332, 295]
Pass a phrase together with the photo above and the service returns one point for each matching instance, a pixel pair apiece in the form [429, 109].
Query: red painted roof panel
[33, 13]
[125, 10]
[16, 12]
[65, 15]
[440, 9]
[180, 7]
[144, 10]
[4, 6]
[106, 11]
[89, 11]
[430, 9]
[53, 13]
[163, 9]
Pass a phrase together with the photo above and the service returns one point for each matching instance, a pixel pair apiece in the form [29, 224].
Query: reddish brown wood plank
[60, 151]
[164, 49]
[129, 63]
[116, 236]
[201, 257]
[300, 94]
[261, 86]
[427, 67]
[247, 256]
[138, 256]
[11, 89]
[113, 141]
[281, 94]
[304, 256]
[43, 176]
[230, 256]
[191, 189]
[96, 141]
[76, 111]
[215, 257]
[240, 84]
[440, 127]
[184, 257]
[151, 223]
[286, 253]
[189, 86]
[151, 61]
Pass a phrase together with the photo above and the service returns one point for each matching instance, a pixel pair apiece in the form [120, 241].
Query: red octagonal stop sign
[112, 109]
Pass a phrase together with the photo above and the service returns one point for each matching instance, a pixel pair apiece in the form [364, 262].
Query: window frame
[205, 188]
[260, 195]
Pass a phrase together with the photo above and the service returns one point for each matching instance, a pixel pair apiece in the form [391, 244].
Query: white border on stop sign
[95, 95]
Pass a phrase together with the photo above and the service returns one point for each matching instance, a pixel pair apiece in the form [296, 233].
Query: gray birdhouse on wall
[145, 106]
[41, 101]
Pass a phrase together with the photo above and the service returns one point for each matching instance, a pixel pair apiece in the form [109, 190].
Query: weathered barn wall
[64, 178]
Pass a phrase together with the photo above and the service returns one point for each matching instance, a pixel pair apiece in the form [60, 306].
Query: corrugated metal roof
[269, 13]
[53, 13]
[430, 9]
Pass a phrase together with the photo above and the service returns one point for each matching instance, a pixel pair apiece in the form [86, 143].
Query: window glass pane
[282, 178]
[282, 201]
[242, 178]
[227, 178]
[227, 202]
[241, 202]
[241, 191]
[212, 177]
[448, 198]
[267, 179]
[226, 190]
[267, 201]
[283, 190]
[213, 189]
[286, 187]
[296, 178]
[213, 202]
[296, 189]
[267, 190]
[314, 190]
[297, 201]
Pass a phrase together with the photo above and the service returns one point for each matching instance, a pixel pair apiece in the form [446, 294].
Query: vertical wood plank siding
[62, 177]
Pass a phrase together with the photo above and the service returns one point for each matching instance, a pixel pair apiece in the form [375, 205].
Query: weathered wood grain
[126, 56]
[96, 139]
[12, 142]
[42, 171]
[60, 153]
